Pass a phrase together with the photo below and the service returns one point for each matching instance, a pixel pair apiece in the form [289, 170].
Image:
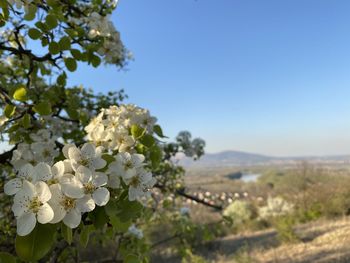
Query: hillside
[238, 158]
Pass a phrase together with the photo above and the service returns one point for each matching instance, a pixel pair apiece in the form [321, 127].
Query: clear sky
[264, 76]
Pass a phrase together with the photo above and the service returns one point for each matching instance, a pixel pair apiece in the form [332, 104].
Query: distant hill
[237, 158]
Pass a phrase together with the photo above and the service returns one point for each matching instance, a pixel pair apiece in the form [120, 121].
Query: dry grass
[323, 241]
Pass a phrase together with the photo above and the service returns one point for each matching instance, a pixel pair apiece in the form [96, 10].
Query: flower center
[89, 188]
[135, 181]
[68, 203]
[35, 204]
[52, 181]
[128, 165]
[46, 153]
[84, 162]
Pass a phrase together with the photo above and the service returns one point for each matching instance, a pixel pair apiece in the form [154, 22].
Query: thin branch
[181, 192]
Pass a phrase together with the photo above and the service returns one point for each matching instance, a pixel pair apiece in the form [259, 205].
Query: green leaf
[54, 48]
[7, 258]
[128, 210]
[34, 33]
[42, 26]
[158, 130]
[76, 53]
[67, 233]
[37, 244]
[26, 120]
[9, 110]
[98, 217]
[51, 21]
[156, 156]
[137, 131]
[71, 64]
[119, 225]
[43, 108]
[64, 43]
[85, 235]
[95, 61]
[147, 140]
[108, 158]
[20, 94]
[62, 79]
[71, 32]
[73, 113]
[52, 3]
[30, 12]
[132, 259]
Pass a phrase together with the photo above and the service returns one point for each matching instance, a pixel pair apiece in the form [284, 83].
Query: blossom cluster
[111, 128]
[275, 206]
[50, 189]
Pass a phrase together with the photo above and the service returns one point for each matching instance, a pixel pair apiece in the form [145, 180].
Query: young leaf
[43, 108]
[158, 130]
[137, 131]
[64, 43]
[7, 258]
[67, 233]
[9, 110]
[30, 12]
[54, 48]
[26, 121]
[20, 94]
[37, 244]
[147, 140]
[71, 64]
[85, 235]
[51, 21]
[34, 33]
[155, 156]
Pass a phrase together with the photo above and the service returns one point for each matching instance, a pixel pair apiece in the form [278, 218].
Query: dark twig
[181, 192]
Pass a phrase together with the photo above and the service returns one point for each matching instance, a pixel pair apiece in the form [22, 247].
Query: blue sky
[265, 76]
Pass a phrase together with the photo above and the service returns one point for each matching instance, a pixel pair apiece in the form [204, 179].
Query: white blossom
[139, 184]
[68, 209]
[88, 156]
[30, 205]
[126, 164]
[133, 230]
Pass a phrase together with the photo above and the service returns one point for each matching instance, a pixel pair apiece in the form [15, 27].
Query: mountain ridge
[241, 158]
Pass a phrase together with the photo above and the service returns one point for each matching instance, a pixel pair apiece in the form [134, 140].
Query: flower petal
[72, 218]
[42, 172]
[88, 150]
[74, 153]
[137, 159]
[99, 179]
[28, 189]
[98, 163]
[43, 191]
[71, 186]
[27, 171]
[85, 204]
[26, 224]
[101, 196]
[66, 148]
[45, 214]
[58, 169]
[83, 174]
[13, 186]
[59, 213]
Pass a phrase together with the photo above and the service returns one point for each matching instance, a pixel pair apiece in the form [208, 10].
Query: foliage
[80, 166]
[239, 212]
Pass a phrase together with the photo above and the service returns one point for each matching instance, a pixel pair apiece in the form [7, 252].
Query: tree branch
[181, 192]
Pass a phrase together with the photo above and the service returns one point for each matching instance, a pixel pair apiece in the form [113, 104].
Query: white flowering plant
[74, 162]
